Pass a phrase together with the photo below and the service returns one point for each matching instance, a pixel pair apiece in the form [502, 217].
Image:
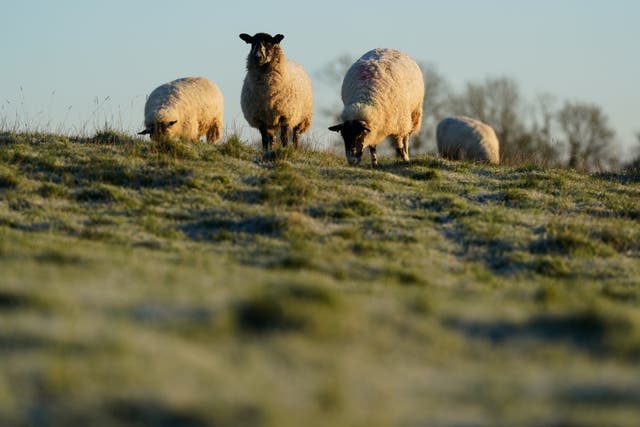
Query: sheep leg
[296, 136]
[213, 134]
[284, 136]
[374, 156]
[399, 143]
[267, 138]
[405, 148]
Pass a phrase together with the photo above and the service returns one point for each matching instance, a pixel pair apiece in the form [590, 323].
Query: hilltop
[172, 284]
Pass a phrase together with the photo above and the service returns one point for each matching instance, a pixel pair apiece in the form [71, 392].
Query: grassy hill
[167, 284]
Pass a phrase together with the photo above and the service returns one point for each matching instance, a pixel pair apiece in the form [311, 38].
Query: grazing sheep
[382, 94]
[464, 138]
[276, 93]
[186, 109]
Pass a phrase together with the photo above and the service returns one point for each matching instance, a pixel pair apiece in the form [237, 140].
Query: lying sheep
[277, 93]
[382, 94]
[464, 138]
[186, 108]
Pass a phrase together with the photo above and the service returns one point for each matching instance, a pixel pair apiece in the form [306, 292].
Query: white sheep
[464, 138]
[277, 93]
[186, 108]
[382, 92]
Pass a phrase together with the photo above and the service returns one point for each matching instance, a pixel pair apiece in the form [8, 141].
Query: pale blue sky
[72, 65]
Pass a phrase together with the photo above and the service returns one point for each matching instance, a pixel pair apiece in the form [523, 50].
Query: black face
[158, 129]
[353, 132]
[263, 47]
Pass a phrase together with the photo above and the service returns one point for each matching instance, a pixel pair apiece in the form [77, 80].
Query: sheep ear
[277, 38]
[147, 131]
[246, 37]
[336, 128]
[171, 123]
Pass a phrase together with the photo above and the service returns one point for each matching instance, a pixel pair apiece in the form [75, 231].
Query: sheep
[276, 93]
[186, 108]
[382, 92]
[464, 138]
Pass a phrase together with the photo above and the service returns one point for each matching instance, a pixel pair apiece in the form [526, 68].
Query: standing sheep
[382, 94]
[464, 138]
[276, 93]
[186, 109]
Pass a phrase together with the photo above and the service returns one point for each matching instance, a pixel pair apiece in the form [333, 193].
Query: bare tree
[331, 75]
[588, 136]
[635, 163]
[538, 144]
[437, 106]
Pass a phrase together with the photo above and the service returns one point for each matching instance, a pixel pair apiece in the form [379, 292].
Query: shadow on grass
[588, 330]
[14, 301]
[221, 228]
[21, 343]
[627, 176]
[151, 412]
[290, 307]
[601, 395]
[102, 170]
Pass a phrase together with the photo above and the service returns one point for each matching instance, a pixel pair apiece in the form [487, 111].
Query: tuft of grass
[285, 308]
[174, 148]
[425, 175]
[516, 197]
[50, 190]
[58, 257]
[233, 146]
[352, 207]
[8, 180]
[568, 239]
[285, 186]
[110, 137]
[552, 266]
[619, 237]
[95, 194]
[13, 301]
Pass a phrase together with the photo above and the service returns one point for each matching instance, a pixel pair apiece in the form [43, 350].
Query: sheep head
[158, 129]
[353, 132]
[264, 48]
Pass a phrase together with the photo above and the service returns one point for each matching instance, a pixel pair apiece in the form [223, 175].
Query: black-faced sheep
[382, 93]
[277, 93]
[464, 138]
[186, 108]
